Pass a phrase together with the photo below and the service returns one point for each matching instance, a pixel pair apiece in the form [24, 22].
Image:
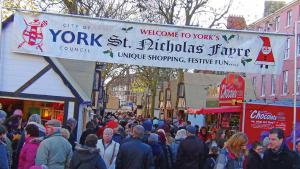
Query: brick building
[280, 87]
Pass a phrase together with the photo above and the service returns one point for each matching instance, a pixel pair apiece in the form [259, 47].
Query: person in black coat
[212, 158]
[90, 129]
[87, 156]
[157, 151]
[254, 160]
[191, 152]
[135, 154]
[278, 156]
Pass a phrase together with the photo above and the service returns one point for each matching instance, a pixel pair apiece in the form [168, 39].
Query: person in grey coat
[55, 151]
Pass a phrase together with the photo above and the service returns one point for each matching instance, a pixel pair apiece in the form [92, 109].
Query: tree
[148, 78]
[170, 12]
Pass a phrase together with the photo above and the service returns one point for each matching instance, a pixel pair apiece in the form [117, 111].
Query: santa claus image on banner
[265, 56]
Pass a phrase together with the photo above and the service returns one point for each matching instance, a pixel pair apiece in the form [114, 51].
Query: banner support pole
[295, 85]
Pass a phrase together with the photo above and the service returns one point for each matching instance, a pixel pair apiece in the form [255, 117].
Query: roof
[78, 75]
[7, 20]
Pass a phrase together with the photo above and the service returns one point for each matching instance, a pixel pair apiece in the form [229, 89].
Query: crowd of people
[128, 142]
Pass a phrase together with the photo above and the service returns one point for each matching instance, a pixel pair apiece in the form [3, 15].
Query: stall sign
[260, 118]
[232, 90]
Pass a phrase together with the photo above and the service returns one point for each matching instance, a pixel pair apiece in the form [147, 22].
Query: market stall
[54, 88]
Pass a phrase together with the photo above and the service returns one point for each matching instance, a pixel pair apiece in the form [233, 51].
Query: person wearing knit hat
[71, 124]
[54, 123]
[18, 112]
[157, 150]
[87, 156]
[153, 138]
[180, 136]
[191, 129]
[167, 153]
[112, 124]
[147, 124]
[193, 147]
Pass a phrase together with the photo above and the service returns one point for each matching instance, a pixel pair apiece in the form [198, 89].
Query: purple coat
[28, 153]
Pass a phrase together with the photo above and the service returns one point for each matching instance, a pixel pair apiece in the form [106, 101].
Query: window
[277, 20]
[298, 81]
[267, 27]
[285, 83]
[298, 44]
[289, 18]
[273, 85]
[263, 85]
[287, 49]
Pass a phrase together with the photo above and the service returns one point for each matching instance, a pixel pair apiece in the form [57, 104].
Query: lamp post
[295, 85]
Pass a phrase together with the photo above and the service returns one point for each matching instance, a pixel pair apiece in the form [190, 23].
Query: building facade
[280, 86]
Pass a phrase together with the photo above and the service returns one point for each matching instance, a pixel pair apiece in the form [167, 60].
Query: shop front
[47, 110]
[230, 98]
[224, 104]
[54, 88]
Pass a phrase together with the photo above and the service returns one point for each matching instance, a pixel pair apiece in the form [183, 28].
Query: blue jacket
[4, 157]
[135, 155]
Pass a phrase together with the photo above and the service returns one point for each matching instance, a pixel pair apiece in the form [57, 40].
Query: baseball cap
[54, 123]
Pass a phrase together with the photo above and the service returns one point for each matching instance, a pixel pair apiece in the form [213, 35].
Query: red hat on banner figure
[265, 56]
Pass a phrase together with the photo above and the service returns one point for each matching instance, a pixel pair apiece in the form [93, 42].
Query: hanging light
[181, 96]
[168, 98]
[161, 104]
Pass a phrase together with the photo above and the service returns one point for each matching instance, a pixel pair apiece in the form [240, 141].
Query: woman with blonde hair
[233, 154]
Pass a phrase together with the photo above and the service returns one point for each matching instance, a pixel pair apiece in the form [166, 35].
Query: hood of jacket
[86, 153]
[33, 140]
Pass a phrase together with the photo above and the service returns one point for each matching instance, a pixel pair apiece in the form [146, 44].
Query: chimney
[272, 6]
[236, 22]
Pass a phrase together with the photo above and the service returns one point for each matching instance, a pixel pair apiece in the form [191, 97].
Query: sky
[252, 10]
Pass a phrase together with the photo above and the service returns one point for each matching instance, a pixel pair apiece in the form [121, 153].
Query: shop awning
[214, 110]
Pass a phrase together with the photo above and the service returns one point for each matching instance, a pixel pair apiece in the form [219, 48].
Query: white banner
[83, 38]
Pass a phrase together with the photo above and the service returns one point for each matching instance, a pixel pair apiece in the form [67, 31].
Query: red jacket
[28, 153]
